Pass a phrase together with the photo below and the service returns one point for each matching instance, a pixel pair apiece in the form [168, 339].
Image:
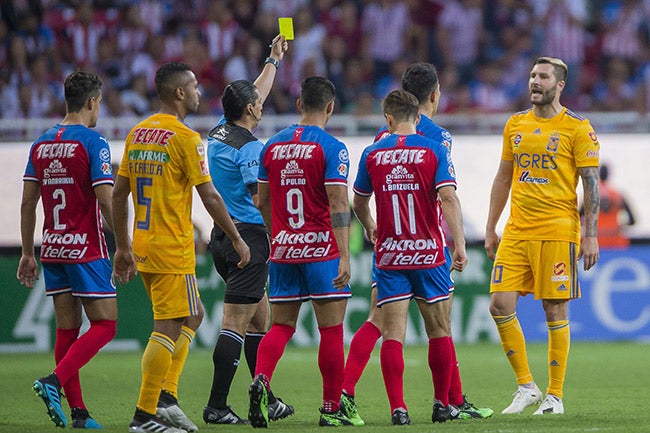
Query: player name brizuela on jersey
[68, 161]
[298, 163]
[400, 170]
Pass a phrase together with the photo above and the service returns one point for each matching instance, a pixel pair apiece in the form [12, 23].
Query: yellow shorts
[172, 295]
[547, 269]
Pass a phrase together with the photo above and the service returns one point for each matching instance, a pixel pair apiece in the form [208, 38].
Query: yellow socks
[178, 361]
[156, 360]
[559, 340]
[514, 346]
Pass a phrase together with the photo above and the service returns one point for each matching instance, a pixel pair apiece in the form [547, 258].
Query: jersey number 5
[143, 200]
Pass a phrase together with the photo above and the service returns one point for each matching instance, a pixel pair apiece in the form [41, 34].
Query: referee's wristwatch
[272, 61]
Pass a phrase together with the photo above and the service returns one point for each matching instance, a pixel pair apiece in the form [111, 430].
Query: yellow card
[286, 27]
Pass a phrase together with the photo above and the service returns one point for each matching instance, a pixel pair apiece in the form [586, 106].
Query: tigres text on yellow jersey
[164, 160]
[546, 155]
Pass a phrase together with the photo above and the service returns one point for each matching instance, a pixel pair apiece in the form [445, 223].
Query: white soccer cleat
[524, 397]
[550, 405]
[174, 415]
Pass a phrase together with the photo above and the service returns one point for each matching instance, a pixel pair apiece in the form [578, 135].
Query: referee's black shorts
[243, 286]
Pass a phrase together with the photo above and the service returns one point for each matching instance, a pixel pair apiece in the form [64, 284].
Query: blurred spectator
[460, 35]
[132, 33]
[135, 98]
[384, 24]
[622, 21]
[617, 91]
[307, 46]
[84, 34]
[345, 24]
[220, 31]
[489, 95]
[563, 35]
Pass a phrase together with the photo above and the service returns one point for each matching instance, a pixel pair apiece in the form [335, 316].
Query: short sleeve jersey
[163, 159]
[233, 158]
[405, 172]
[68, 161]
[546, 155]
[298, 163]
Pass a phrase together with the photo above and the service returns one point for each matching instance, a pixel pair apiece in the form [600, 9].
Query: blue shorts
[429, 285]
[88, 280]
[305, 281]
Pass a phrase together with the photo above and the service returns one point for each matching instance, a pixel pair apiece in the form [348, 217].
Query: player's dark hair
[420, 79]
[402, 105]
[236, 96]
[170, 77]
[559, 67]
[78, 88]
[316, 93]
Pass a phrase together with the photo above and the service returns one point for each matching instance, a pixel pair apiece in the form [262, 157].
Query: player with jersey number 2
[70, 169]
[303, 198]
[407, 173]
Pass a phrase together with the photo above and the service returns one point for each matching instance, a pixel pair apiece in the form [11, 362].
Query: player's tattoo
[589, 176]
[340, 219]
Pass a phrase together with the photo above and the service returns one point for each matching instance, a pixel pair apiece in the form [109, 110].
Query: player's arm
[498, 199]
[28, 268]
[361, 207]
[264, 204]
[450, 204]
[264, 81]
[589, 247]
[104, 193]
[123, 262]
[340, 216]
[216, 207]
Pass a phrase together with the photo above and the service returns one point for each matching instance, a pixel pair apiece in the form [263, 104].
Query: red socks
[440, 363]
[64, 339]
[84, 348]
[271, 349]
[331, 361]
[456, 387]
[392, 368]
[361, 346]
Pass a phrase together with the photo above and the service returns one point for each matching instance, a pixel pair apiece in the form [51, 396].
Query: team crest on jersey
[204, 168]
[343, 169]
[200, 149]
[105, 155]
[106, 168]
[343, 156]
[517, 140]
[553, 142]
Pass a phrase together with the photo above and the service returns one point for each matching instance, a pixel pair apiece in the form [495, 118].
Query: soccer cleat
[524, 397]
[49, 389]
[143, 422]
[349, 408]
[82, 419]
[258, 411]
[400, 417]
[333, 419]
[169, 410]
[222, 416]
[279, 409]
[550, 405]
[442, 413]
[469, 411]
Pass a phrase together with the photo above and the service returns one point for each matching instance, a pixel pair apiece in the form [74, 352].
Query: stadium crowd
[482, 48]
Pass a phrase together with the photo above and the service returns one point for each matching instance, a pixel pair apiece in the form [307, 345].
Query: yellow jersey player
[545, 150]
[163, 160]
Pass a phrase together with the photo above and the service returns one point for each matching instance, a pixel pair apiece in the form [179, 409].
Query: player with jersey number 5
[545, 150]
[407, 173]
[69, 168]
[163, 161]
[303, 198]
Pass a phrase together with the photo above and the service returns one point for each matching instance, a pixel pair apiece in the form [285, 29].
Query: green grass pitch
[607, 390]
